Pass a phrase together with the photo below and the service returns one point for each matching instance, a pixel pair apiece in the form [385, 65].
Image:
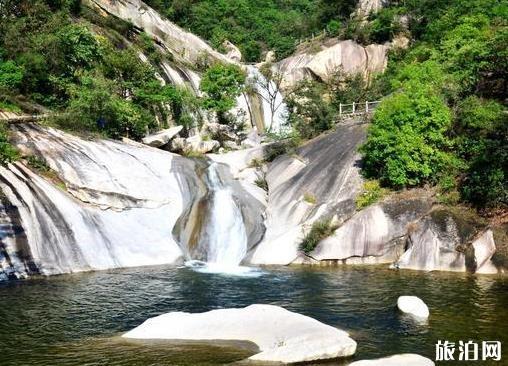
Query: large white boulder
[347, 56]
[414, 306]
[162, 137]
[406, 359]
[281, 335]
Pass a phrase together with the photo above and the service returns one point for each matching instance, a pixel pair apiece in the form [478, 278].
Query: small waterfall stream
[226, 230]
[224, 237]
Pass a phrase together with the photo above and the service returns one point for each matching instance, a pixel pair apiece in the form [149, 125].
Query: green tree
[407, 143]
[11, 75]
[222, 84]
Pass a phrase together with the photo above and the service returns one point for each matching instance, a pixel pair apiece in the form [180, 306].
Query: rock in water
[414, 306]
[406, 359]
[281, 335]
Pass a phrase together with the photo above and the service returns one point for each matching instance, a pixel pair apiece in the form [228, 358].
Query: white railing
[355, 109]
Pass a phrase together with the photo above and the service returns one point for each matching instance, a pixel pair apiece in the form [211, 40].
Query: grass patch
[193, 154]
[372, 192]
[42, 168]
[9, 107]
[256, 163]
[319, 231]
[262, 183]
[309, 198]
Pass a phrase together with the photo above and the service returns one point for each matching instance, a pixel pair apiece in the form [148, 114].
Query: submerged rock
[281, 335]
[414, 306]
[406, 359]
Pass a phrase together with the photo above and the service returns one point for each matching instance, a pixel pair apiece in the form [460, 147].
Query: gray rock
[434, 243]
[232, 52]
[327, 168]
[162, 137]
[484, 248]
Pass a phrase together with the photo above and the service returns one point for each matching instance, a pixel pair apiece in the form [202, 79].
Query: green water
[77, 319]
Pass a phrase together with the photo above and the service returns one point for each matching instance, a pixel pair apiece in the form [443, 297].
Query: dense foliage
[256, 26]
[445, 121]
[87, 68]
[222, 84]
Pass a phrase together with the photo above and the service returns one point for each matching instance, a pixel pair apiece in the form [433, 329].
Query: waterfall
[224, 238]
[226, 230]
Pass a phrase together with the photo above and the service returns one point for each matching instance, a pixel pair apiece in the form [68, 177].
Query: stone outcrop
[438, 242]
[232, 52]
[374, 235]
[104, 204]
[183, 45]
[413, 306]
[348, 56]
[193, 144]
[484, 249]
[281, 335]
[366, 7]
[162, 137]
[325, 168]
[406, 359]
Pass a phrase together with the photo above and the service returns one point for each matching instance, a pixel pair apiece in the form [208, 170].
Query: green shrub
[309, 112]
[371, 193]
[407, 143]
[222, 84]
[319, 231]
[8, 153]
[261, 183]
[309, 198]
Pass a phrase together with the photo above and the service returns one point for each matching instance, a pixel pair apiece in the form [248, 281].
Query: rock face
[183, 45]
[281, 335]
[407, 359]
[374, 235]
[162, 137]
[414, 306]
[366, 7]
[326, 168]
[347, 56]
[484, 248]
[433, 243]
[232, 52]
[117, 205]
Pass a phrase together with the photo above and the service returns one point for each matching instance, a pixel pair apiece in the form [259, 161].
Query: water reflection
[76, 319]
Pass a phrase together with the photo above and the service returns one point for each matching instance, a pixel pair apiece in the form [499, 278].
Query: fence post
[340, 109]
[353, 107]
[366, 107]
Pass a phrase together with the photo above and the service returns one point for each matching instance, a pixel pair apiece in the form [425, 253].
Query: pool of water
[77, 319]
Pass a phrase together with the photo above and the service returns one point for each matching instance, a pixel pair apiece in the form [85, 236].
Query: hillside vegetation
[442, 121]
[256, 26]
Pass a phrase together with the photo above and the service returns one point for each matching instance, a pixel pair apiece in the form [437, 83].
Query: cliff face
[118, 205]
[347, 56]
[184, 46]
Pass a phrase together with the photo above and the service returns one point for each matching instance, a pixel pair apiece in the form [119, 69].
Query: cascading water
[226, 230]
[225, 236]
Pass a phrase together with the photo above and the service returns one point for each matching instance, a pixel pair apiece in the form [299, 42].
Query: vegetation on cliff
[256, 26]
